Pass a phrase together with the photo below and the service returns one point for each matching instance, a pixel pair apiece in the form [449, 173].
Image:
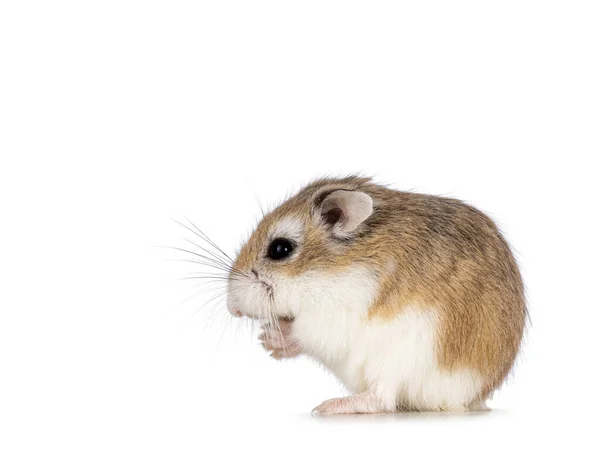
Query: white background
[118, 116]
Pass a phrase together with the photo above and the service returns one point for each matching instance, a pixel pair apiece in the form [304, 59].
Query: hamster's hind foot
[363, 403]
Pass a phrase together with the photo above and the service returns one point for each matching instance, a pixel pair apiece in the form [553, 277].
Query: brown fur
[427, 251]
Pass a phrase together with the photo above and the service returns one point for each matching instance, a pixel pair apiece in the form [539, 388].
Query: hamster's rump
[451, 257]
[377, 272]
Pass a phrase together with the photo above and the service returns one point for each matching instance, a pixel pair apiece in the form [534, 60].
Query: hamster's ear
[346, 210]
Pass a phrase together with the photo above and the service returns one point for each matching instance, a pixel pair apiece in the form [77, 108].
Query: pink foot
[278, 340]
[363, 403]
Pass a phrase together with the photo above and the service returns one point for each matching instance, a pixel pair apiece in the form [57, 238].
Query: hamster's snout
[266, 284]
[251, 295]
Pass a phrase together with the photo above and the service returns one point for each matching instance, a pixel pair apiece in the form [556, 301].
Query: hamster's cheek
[284, 296]
[325, 294]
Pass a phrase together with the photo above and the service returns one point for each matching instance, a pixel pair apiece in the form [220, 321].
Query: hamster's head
[305, 238]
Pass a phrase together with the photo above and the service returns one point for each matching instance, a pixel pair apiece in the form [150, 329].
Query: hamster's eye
[280, 248]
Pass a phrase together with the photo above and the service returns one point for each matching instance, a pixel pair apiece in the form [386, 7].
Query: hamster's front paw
[277, 339]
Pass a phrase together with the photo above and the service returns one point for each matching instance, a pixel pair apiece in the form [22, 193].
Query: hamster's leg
[364, 403]
[278, 340]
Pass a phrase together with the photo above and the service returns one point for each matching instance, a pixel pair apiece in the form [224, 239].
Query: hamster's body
[413, 301]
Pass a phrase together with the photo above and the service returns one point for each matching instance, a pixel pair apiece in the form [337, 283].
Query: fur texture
[417, 306]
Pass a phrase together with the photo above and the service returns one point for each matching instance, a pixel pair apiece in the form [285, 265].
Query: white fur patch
[397, 358]
[326, 308]
[400, 360]
[288, 227]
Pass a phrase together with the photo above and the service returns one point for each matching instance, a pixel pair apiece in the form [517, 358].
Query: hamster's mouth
[249, 315]
[279, 318]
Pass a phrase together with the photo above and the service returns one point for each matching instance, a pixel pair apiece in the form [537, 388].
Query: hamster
[415, 302]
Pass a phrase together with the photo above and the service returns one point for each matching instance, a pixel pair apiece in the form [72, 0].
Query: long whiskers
[214, 257]
[208, 262]
[205, 238]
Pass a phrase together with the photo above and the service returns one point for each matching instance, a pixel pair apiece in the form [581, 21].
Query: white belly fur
[396, 358]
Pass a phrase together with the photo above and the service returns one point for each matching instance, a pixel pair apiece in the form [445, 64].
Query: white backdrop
[117, 117]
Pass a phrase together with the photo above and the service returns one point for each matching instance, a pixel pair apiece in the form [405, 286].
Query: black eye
[280, 248]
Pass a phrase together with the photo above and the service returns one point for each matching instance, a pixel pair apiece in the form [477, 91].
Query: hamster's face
[300, 239]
